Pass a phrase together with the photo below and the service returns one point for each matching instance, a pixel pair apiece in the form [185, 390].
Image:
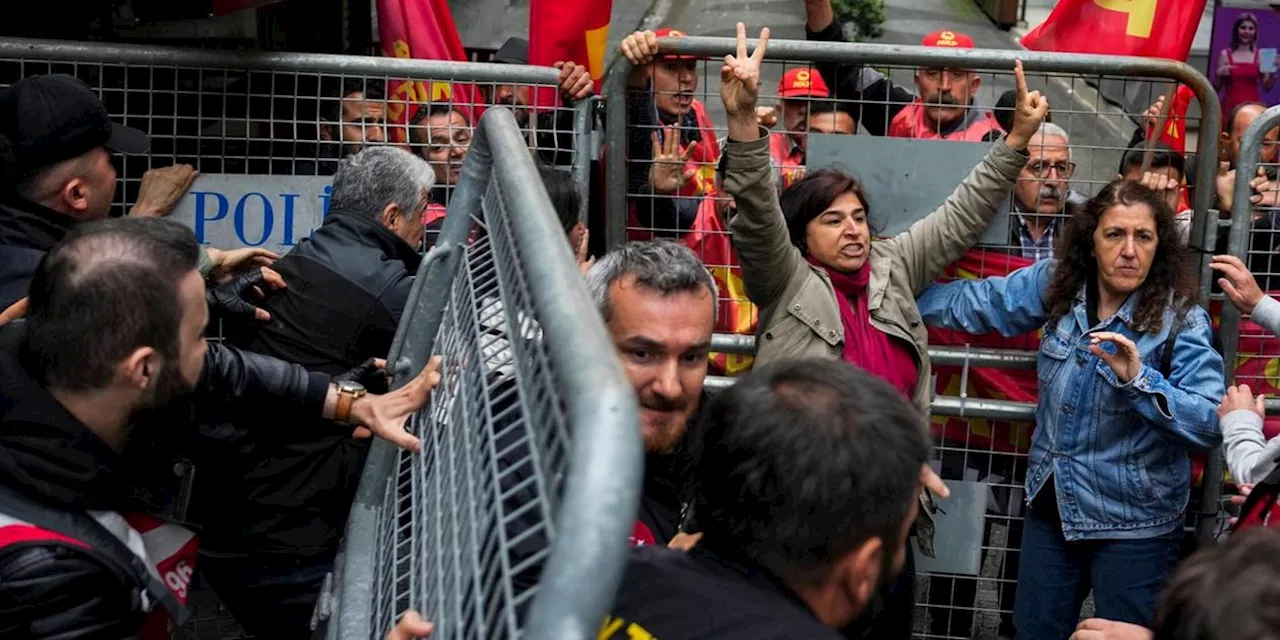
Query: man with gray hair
[1042, 193]
[658, 302]
[274, 501]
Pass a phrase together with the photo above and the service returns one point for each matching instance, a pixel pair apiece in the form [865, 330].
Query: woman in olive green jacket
[823, 287]
[791, 252]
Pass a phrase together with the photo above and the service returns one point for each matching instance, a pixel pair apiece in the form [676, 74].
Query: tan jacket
[798, 313]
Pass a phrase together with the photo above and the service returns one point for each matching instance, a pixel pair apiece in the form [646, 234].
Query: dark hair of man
[418, 123]
[562, 188]
[107, 289]
[1172, 272]
[809, 196]
[1225, 592]
[1163, 157]
[804, 460]
[371, 88]
[823, 106]
[434, 109]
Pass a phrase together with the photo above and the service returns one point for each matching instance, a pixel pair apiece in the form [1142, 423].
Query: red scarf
[865, 346]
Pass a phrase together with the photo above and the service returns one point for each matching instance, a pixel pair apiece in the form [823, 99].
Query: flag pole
[1161, 121]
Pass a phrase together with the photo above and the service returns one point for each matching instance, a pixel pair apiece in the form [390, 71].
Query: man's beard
[160, 424]
[519, 109]
[668, 435]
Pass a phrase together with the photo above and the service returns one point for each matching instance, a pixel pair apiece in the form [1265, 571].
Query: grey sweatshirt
[1250, 457]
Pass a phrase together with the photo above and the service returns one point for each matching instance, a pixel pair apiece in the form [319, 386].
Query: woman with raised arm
[825, 288]
[1129, 387]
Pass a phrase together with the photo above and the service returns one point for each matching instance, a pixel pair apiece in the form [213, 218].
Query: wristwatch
[348, 391]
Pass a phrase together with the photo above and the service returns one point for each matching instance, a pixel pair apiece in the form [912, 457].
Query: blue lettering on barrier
[288, 218]
[200, 216]
[268, 220]
[324, 201]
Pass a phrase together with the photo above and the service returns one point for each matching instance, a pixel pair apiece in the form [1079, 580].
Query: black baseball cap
[48, 119]
[513, 51]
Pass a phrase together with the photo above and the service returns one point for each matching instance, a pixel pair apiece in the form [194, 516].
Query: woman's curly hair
[1172, 275]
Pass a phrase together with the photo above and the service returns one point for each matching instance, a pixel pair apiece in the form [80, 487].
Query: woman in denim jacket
[1108, 473]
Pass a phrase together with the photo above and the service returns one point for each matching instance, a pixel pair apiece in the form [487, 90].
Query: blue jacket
[1119, 451]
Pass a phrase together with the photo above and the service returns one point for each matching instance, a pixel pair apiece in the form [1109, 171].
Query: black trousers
[270, 599]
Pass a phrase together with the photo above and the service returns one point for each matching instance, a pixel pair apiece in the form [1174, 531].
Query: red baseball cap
[803, 82]
[948, 38]
[668, 32]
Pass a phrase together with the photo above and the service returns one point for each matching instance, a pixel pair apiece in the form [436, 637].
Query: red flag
[422, 29]
[1175, 130]
[710, 240]
[1148, 28]
[985, 383]
[568, 30]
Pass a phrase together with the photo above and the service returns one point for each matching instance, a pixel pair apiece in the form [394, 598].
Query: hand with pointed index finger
[1029, 112]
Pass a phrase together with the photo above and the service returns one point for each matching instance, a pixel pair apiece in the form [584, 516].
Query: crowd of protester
[783, 507]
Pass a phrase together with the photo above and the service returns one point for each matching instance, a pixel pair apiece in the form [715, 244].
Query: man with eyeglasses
[1042, 193]
[944, 108]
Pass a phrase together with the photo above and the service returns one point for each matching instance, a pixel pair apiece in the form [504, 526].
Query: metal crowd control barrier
[879, 55]
[987, 445]
[959, 406]
[1240, 226]
[513, 520]
[1252, 237]
[277, 114]
[273, 117]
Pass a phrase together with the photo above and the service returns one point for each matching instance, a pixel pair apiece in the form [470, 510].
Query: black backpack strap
[106, 546]
[1166, 353]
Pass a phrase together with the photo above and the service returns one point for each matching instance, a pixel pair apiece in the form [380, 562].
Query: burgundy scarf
[877, 352]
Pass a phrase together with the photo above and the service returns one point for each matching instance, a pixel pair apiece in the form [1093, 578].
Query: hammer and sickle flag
[422, 29]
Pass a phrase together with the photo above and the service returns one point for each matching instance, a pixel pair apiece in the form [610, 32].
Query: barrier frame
[602, 488]
[40, 50]
[911, 56]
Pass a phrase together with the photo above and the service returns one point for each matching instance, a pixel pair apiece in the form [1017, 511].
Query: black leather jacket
[51, 590]
[270, 486]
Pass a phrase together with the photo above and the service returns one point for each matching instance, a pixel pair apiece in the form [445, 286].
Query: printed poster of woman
[1242, 55]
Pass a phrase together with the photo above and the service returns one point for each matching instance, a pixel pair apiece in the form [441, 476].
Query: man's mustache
[654, 402]
[1050, 192]
[940, 99]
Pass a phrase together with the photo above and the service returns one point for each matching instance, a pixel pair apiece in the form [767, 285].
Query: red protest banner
[1148, 28]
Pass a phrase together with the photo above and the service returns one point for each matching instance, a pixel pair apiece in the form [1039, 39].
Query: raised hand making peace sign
[740, 75]
[1029, 111]
[740, 86]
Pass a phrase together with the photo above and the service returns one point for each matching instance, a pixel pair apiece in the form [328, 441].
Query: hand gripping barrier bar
[516, 271]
